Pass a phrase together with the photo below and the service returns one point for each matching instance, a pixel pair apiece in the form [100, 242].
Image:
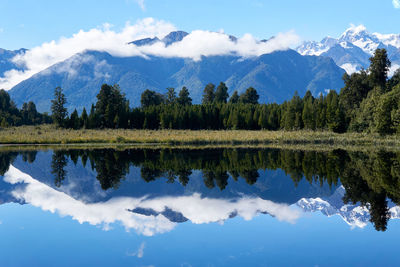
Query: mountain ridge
[352, 49]
[275, 76]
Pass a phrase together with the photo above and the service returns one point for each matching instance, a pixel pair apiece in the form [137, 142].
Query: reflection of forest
[369, 178]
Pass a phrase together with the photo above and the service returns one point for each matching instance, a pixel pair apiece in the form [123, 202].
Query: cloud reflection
[194, 207]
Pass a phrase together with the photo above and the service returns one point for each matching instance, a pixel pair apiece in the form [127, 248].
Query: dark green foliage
[379, 69]
[308, 111]
[112, 108]
[221, 94]
[151, 98]
[250, 96]
[184, 97]
[334, 113]
[209, 94]
[293, 113]
[74, 121]
[234, 98]
[11, 116]
[58, 109]
[357, 86]
[395, 80]
[84, 119]
[170, 97]
[58, 164]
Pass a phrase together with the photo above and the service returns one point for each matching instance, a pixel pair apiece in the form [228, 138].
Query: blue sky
[27, 23]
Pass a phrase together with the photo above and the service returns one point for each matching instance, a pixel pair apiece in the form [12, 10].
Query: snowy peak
[354, 47]
[169, 39]
[174, 37]
[359, 36]
[354, 215]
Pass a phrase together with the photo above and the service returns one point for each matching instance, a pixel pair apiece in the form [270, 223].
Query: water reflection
[101, 186]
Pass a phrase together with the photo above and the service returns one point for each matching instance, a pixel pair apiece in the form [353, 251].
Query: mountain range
[354, 47]
[314, 66]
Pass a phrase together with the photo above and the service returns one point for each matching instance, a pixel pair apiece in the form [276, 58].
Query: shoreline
[49, 135]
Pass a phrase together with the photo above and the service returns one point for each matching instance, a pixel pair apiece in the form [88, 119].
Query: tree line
[369, 102]
[10, 115]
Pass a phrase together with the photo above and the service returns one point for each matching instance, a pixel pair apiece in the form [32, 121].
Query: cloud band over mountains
[197, 44]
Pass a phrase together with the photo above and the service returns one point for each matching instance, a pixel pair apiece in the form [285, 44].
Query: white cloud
[140, 251]
[197, 44]
[1, 30]
[141, 4]
[100, 39]
[396, 3]
[197, 209]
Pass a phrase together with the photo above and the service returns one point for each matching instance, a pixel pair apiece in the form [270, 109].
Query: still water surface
[199, 207]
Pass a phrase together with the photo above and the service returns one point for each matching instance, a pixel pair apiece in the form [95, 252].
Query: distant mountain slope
[354, 47]
[276, 76]
[6, 57]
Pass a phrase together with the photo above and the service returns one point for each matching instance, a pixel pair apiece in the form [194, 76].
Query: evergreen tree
[151, 98]
[221, 94]
[395, 80]
[58, 109]
[209, 94]
[170, 97]
[234, 98]
[84, 119]
[184, 98]
[384, 123]
[74, 121]
[111, 103]
[250, 96]
[308, 111]
[320, 114]
[379, 68]
[334, 113]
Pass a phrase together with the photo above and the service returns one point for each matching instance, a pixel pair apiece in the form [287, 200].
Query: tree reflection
[58, 163]
[368, 178]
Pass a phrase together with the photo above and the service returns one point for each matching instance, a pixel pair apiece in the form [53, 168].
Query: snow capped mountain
[353, 215]
[169, 39]
[352, 50]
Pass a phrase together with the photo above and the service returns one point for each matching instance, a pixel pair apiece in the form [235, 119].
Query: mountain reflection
[235, 182]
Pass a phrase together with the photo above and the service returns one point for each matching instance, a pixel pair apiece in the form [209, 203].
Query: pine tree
[250, 96]
[383, 114]
[84, 119]
[170, 97]
[234, 98]
[184, 98]
[379, 68]
[308, 111]
[221, 94]
[209, 94]
[74, 121]
[58, 109]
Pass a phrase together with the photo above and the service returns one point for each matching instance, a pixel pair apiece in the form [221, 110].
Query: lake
[198, 207]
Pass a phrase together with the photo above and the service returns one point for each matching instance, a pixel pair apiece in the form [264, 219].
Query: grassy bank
[48, 134]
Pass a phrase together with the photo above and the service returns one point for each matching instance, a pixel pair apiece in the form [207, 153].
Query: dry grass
[48, 134]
